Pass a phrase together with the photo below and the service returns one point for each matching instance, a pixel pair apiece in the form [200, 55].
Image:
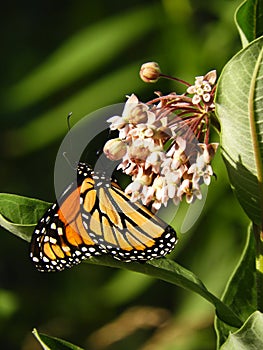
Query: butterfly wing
[96, 217]
[128, 231]
[59, 240]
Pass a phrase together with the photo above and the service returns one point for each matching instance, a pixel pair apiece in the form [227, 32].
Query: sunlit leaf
[20, 215]
[249, 337]
[52, 343]
[239, 106]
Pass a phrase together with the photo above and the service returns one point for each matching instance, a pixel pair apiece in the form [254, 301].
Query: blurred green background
[62, 56]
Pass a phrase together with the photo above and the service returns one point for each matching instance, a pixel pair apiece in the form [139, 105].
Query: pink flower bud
[150, 72]
[115, 149]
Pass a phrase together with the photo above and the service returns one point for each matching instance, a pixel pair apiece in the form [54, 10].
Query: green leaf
[240, 294]
[169, 271]
[20, 215]
[250, 335]
[239, 106]
[249, 20]
[52, 343]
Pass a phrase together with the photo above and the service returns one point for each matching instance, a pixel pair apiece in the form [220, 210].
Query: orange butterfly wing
[60, 239]
[127, 231]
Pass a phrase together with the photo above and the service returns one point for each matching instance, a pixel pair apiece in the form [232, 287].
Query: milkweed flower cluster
[164, 144]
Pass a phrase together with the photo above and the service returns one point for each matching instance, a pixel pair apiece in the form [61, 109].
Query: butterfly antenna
[70, 143]
[69, 132]
[68, 121]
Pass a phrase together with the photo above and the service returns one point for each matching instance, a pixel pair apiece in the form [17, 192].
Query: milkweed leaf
[249, 21]
[239, 106]
[169, 271]
[20, 215]
[240, 294]
[249, 336]
[52, 343]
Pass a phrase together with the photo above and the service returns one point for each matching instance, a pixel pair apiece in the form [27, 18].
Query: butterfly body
[95, 217]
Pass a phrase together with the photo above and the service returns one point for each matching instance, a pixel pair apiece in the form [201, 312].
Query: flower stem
[176, 79]
[258, 233]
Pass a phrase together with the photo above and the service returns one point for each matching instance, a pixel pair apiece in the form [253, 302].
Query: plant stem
[176, 79]
[258, 233]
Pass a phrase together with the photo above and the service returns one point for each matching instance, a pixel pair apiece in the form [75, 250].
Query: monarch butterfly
[96, 217]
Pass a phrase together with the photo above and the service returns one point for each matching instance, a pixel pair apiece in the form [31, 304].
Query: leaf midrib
[255, 142]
